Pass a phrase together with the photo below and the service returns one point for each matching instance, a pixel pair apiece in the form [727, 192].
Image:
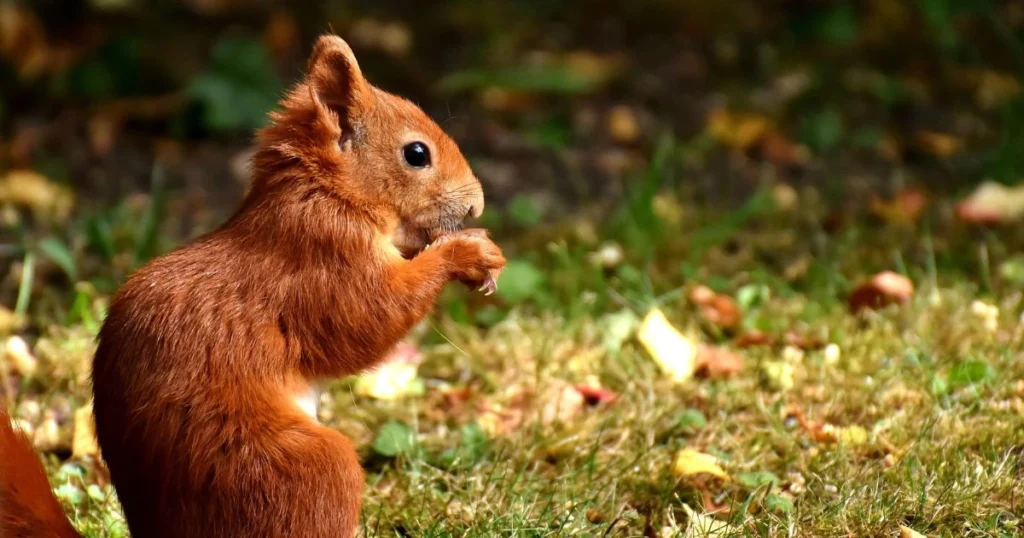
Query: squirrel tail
[28, 508]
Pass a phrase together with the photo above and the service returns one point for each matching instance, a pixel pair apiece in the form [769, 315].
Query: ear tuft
[335, 79]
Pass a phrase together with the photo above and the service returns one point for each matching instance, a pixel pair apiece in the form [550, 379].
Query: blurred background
[766, 175]
[130, 121]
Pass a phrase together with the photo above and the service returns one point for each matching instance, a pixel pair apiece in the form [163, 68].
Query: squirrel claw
[489, 286]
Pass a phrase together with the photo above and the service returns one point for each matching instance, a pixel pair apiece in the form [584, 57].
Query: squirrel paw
[473, 258]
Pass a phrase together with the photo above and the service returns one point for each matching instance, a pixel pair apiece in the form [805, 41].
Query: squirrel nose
[476, 204]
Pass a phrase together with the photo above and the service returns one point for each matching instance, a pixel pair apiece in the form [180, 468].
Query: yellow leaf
[907, 532]
[737, 130]
[690, 462]
[83, 441]
[30, 189]
[852, 435]
[674, 353]
[706, 526]
[395, 378]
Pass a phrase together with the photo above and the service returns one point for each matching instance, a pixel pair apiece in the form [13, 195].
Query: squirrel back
[207, 354]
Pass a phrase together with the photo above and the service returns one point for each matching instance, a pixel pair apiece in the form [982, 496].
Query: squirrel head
[336, 135]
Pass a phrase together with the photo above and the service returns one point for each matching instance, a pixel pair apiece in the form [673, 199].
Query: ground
[540, 412]
[841, 347]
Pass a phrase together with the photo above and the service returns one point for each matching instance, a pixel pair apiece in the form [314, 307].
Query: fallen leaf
[23, 40]
[785, 197]
[802, 341]
[673, 352]
[718, 309]
[942, 145]
[883, 289]
[852, 435]
[497, 418]
[992, 89]
[907, 532]
[19, 357]
[754, 338]
[905, 207]
[32, 190]
[690, 462]
[702, 295]
[828, 433]
[779, 150]
[737, 130]
[83, 442]
[103, 130]
[622, 124]
[706, 526]
[778, 375]
[717, 362]
[395, 377]
[595, 516]
[561, 403]
[992, 203]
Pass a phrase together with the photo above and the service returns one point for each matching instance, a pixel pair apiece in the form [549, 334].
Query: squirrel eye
[416, 154]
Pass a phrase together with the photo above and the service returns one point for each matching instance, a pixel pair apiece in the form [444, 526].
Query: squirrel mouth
[411, 240]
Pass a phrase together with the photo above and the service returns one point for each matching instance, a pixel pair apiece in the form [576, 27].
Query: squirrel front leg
[468, 256]
[356, 338]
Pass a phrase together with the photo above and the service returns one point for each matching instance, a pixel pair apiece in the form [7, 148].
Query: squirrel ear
[335, 81]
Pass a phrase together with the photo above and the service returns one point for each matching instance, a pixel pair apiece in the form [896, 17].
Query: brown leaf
[702, 295]
[723, 312]
[622, 124]
[883, 289]
[779, 150]
[737, 130]
[717, 362]
[803, 341]
[942, 145]
[504, 418]
[103, 130]
[904, 208]
[754, 338]
[718, 309]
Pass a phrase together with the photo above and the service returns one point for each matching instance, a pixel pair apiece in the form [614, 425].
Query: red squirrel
[207, 353]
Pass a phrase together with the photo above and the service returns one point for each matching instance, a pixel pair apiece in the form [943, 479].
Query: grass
[938, 390]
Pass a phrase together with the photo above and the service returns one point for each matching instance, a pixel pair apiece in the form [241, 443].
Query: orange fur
[319, 274]
[27, 505]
